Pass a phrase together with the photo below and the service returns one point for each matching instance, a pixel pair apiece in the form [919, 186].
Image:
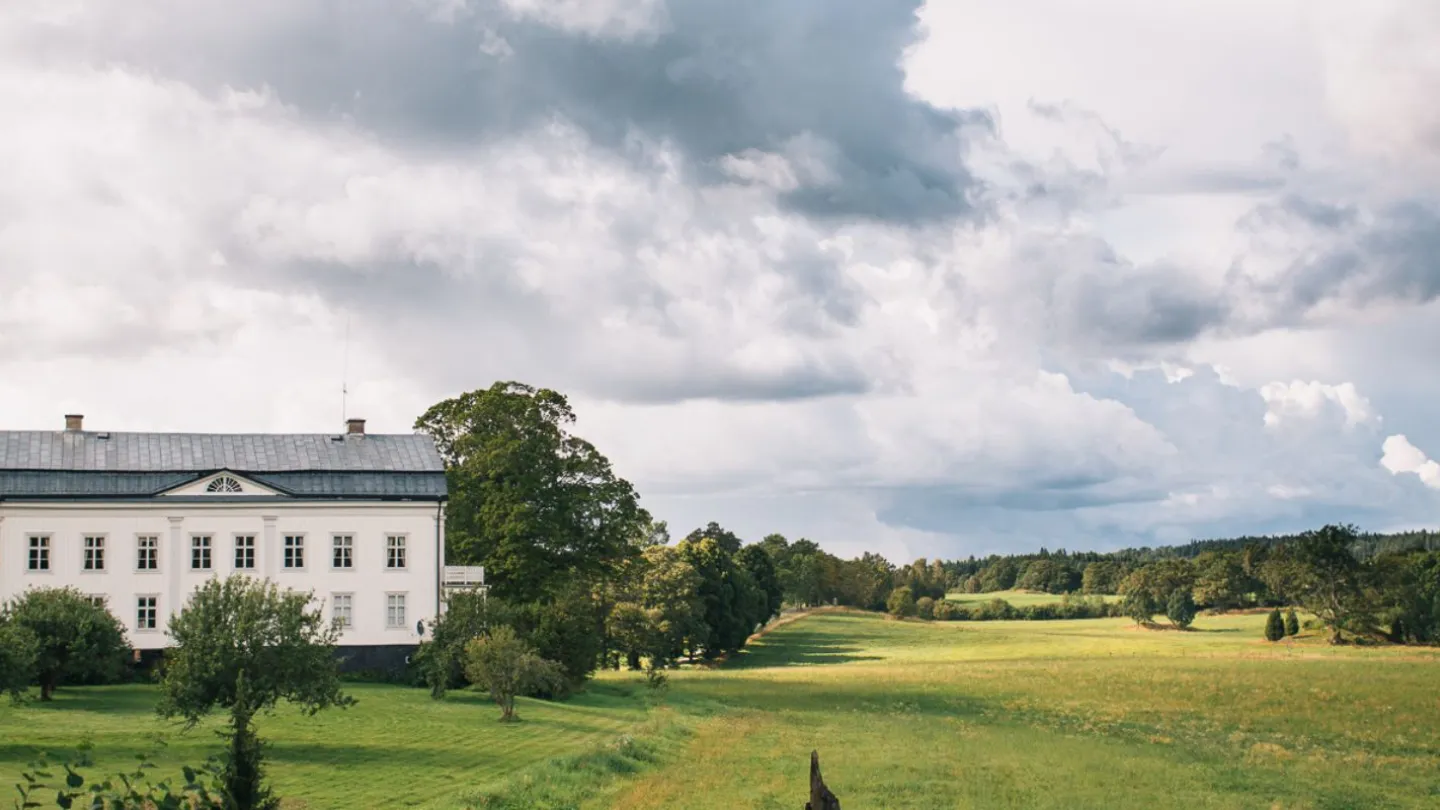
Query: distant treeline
[1361, 585]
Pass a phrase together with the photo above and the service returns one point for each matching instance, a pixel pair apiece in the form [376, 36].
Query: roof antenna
[345, 375]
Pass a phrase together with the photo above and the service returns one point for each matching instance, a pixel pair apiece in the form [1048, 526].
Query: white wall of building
[369, 581]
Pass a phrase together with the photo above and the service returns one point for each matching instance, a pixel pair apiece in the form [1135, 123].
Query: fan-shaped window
[224, 484]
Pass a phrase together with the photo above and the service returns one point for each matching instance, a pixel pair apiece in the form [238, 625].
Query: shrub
[1138, 606]
[1180, 610]
[74, 640]
[901, 603]
[945, 610]
[506, 666]
[925, 608]
[1274, 626]
[201, 788]
[1292, 623]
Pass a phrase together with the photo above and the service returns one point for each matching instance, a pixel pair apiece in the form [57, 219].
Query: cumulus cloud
[1400, 456]
[1299, 399]
[786, 272]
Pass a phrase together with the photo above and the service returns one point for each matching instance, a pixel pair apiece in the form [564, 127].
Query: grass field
[1017, 598]
[905, 715]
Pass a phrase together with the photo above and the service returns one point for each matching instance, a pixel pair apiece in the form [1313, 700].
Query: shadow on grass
[798, 648]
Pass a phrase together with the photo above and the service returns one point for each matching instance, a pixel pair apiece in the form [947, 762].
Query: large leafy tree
[1322, 574]
[535, 504]
[72, 639]
[728, 541]
[757, 561]
[243, 645]
[724, 620]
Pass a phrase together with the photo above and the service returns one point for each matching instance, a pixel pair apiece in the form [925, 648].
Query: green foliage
[901, 603]
[504, 665]
[724, 625]
[199, 788]
[1138, 605]
[539, 507]
[724, 538]
[1180, 608]
[18, 649]
[567, 628]
[244, 644]
[440, 659]
[925, 608]
[242, 768]
[1274, 626]
[757, 561]
[1100, 577]
[1292, 623]
[72, 639]
[1321, 573]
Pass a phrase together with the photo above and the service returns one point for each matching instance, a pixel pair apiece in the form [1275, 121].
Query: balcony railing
[463, 576]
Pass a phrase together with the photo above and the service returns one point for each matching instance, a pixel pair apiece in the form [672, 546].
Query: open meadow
[1018, 598]
[1091, 713]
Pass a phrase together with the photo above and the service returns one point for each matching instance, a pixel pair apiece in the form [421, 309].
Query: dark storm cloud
[1394, 257]
[717, 78]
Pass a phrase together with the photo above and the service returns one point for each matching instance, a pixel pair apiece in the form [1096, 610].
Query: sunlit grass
[1045, 714]
[1017, 598]
[1060, 714]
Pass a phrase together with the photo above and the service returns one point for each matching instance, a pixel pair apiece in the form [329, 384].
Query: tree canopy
[532, 502]
[72, 639]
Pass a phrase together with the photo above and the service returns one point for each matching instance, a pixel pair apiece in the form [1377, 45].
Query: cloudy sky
[925, 279]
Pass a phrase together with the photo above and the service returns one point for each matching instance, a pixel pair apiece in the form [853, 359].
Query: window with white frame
[94, 552]
[342, 610]
[39, 559]
[200, 552]
[146, 612]
[394, 610]
[147, 553]
[344, 556]
[395, 551]
[96, 599]
[294, 551]
[244, 552]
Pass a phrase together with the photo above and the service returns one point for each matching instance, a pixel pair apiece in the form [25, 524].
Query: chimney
[355, 427]
[74, 421]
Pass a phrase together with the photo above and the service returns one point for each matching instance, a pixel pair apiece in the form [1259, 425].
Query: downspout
[439, 553]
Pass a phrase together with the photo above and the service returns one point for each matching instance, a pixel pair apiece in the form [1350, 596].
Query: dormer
[221, 484]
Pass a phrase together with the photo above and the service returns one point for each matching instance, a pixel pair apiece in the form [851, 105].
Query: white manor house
[138, 520]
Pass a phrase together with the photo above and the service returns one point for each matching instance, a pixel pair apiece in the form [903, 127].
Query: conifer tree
[1274, 626]
[1292, 623]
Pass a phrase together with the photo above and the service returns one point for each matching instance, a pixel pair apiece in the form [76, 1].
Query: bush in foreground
[244, 645]
[72, 638]
[1292, 623]
[507, 667]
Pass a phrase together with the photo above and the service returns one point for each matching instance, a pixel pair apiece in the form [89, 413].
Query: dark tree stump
[820, 796]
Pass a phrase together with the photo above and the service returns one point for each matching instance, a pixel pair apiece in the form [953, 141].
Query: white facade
[140, 520]
[383, 559]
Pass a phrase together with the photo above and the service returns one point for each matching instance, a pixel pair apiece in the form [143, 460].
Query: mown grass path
[1058, 714]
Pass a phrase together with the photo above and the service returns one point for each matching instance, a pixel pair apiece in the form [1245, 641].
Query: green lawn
[395, 747]
[1016, 598]
[905, 715]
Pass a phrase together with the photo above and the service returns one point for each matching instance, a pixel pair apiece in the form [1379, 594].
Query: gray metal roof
[66, 484]
[89, 451]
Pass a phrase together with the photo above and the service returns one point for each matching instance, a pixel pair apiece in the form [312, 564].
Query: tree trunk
[633, 659]
[820, 796]
[47, 687]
